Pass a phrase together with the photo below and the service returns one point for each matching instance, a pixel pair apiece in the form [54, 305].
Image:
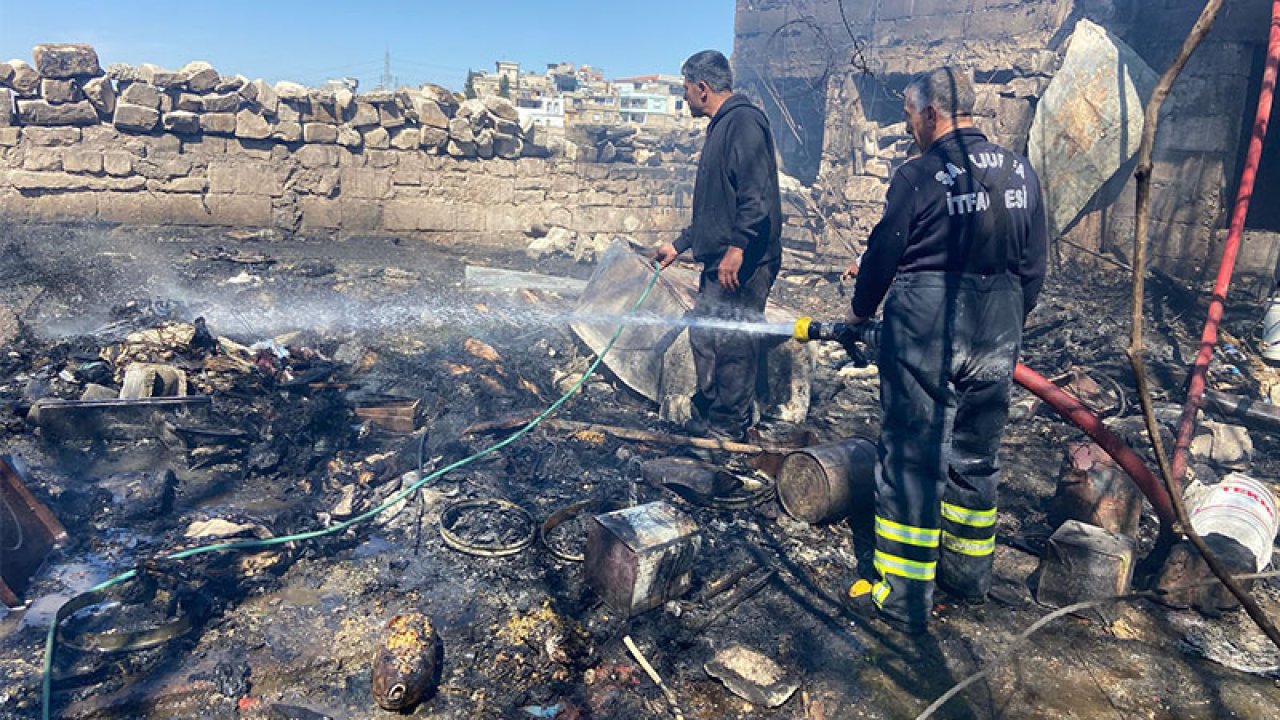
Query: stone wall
[851, 139]
[150, 146]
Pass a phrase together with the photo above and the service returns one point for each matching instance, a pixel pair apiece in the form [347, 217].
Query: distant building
[567, 95]
[651, 100]
[541, 111]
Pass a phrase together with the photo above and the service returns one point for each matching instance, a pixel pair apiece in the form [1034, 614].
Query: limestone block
[367, 183]
[167, 101]
[316, 132]
[361, 216]
[290, 91]
[434, 138]
[506, 146]
[102, 94]
[508, 127]
[61, 61]
[135, 118]
[54, 181]
[406, 138]
[1089, 122]
[52, 135]
[200, 76]
[161, 78]
[22, 77]
[377, 138]
[141, 94]
[60, 91]
[9, 136]
[461, 149]
[82, 161]
[390, 116]
[287, 113]
[320, 108]
[189, 102]
[460, 130]
[344, 101]
[429, 112]
[231, 176]
[231, 84]
[320, 213]
[287, 132]
[218, 123]
[323, 182]
[365, 115]
[162, 166]
[252, 126]
[501, 107]
[239, 210]
[117, 163]
[181, 122]
[261, 94]
[42, 112]
[6, 107]
[317, 156]
[349, 137]
[220, 102]
[484, 143]
[39, 158]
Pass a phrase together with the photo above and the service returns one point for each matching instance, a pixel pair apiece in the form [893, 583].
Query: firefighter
[958, 260]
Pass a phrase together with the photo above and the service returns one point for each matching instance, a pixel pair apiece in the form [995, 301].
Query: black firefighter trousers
[726, 360]
[947, 354]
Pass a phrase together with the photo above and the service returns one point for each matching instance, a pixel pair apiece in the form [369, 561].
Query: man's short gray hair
[711, 67]
[947, 89]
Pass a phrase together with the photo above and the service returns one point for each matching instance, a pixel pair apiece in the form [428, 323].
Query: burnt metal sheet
[112, 419]
[28, 531]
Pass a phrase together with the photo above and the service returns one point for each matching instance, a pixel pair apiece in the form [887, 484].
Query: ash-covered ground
[315, 330]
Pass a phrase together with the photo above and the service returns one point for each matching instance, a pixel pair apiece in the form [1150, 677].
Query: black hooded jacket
[735, 197]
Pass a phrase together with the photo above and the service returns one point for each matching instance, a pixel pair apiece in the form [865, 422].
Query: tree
[504, 87]
[470, 88]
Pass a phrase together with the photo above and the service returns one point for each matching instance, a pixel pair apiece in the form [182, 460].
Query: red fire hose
[1209, 338]
[1072, 410]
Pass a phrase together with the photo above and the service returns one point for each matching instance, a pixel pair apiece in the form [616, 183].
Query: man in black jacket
[958, 258]
[736, 234]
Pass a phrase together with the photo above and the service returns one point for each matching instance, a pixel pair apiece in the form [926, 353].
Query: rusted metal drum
[824, 483]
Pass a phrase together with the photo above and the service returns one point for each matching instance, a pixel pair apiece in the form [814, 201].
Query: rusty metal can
[825, 483]
[404, 665]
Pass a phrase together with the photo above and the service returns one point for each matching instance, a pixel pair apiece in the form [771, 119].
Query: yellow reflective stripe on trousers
[965, 516]
[967, 546]
[910, 569]
[906, 534]
[879, 593]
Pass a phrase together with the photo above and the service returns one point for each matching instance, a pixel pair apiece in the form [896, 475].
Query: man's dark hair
[947, 89]
[710, 67]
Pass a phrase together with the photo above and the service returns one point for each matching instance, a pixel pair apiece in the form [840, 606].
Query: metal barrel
[824, 483]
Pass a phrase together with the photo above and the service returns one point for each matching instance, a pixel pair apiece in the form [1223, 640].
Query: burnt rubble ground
[288, 631]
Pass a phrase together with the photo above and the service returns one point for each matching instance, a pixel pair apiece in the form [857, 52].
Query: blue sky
[429, 41]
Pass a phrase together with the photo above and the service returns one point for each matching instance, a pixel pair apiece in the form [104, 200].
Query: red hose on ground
[1209, 338]
[1082, 417]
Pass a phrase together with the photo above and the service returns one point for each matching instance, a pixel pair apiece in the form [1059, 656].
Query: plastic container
[1269, 344]
[1240, 508]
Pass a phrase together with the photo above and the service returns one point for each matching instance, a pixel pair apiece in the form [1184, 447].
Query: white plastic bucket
[1269, 343]
[1240, 508]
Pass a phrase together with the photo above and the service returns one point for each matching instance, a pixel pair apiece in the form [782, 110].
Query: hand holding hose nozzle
[860, 340]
